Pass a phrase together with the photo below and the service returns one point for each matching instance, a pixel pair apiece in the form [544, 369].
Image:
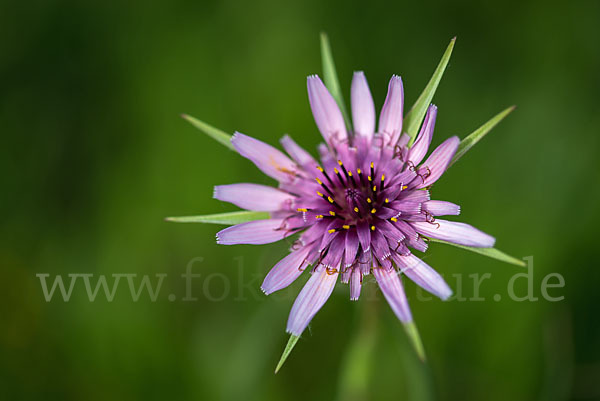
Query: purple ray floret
[361, 210]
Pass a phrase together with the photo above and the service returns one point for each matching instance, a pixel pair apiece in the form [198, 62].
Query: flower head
[361, 209]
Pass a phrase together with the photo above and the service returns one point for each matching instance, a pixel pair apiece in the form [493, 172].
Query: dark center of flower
[354, 196]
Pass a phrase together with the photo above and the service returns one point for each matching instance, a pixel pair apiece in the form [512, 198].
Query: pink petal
[364, 235]
[271, 161]
[285, 271]
[313, 296]
[406, 207]
[351, 246]
[438, 161]
[256, 197]
[419, 149]
[335, 252]
[441, 208]
[457, 233]
[300, 156]
[390, 119]
[423, 275]
[392, 289]
[403, 141]
[254, 232]
[355, 284]
[363, 108]
[325, 110]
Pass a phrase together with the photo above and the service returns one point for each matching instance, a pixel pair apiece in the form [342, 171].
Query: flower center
[353, 196]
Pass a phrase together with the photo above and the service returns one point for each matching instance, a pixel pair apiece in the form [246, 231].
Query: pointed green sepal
[330, 77]
[243, 216]
[215, 133]
[474, 137]
[415, 339]
[489, 252]
[415, 116]
[287, 351]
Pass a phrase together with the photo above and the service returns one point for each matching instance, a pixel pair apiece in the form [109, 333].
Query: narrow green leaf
[243, 216]
[489, 252]
[415, 339]
[414, 118]
[474, 137]
[215, 133]
[287, 351]
[330, 77]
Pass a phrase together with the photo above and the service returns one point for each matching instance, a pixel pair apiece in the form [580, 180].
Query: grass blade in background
[415, 339]
[470, 141]
[215, 133]
[330, 77]
[489, 252]
[242, 216]
[414, 118]
[287, 351]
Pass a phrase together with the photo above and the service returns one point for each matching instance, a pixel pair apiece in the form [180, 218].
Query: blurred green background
[94, 155]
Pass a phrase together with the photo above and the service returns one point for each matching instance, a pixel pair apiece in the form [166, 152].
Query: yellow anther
[300, 209]
[331, 231]
[319, 193]
[319, 216]
[372, 228]
[374, 188]
[382, 177]
[319, 181]
[370, 179]
[387, 200]
[358, 171]
[350, 173]
[404, 187]
[330, 199]
[394, 219]
[335, 170]
[331, 212]
[346, 227]
[373, 210]
[369, 200]
[320, 168]
[340, 162]
[356, 209]
[372, 165]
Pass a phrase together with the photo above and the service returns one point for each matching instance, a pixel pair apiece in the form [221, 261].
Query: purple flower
[361, 210]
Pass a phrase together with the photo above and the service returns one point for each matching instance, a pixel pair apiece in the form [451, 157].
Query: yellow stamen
[340, 162]
[346, 227]
[319, 181]
[373, 211]
[300, 209]
[331, 212]
[320, 194]
[387, 200]
[382, 177]
[320, 168]
[319, 216]
[372, 165]
[350, 173]
[404, 187]
[369, 177]
[356, 209]
[394, 219]
[358, 171]
[330, 199]
[374, 188]
[335, 170]
[331, 231]
[369, 200]
[372, 228]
